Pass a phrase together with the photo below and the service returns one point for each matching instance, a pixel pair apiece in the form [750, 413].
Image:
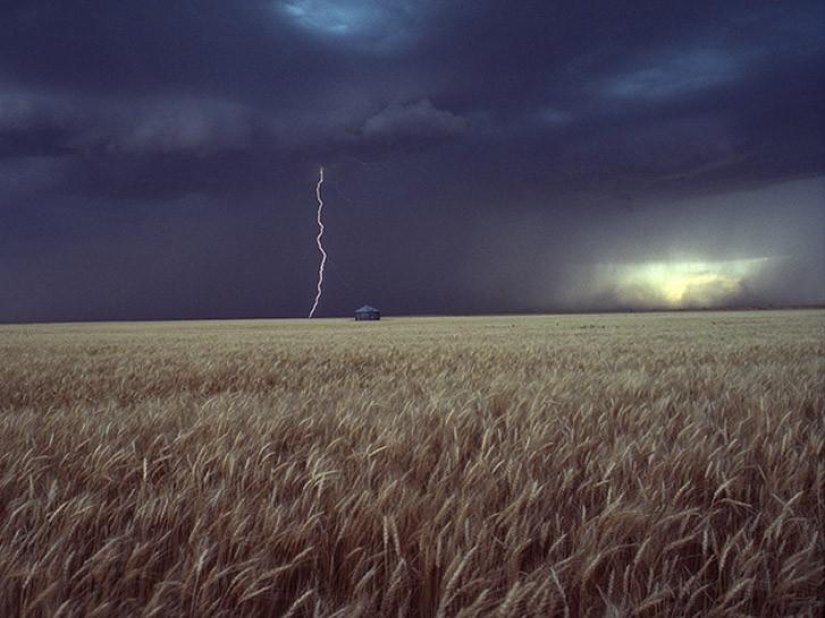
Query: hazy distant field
[651, 464]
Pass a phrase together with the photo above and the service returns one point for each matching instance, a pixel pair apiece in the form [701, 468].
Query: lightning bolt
[318, 242]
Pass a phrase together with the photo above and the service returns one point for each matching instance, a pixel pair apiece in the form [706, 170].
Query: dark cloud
[411, 123]
[481, 156]
[64, 125]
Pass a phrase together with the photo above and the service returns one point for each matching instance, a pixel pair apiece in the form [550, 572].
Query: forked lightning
[318, 242]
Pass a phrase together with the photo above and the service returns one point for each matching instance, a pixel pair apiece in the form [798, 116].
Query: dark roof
[366, 309]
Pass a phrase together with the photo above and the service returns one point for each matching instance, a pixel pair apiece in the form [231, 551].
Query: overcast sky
[159, 160]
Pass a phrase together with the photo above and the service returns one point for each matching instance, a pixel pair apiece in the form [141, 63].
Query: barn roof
[366, 309]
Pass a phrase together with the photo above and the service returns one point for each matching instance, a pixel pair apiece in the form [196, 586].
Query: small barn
[367, 313]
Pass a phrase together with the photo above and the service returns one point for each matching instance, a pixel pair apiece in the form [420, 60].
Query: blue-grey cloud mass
[159, 159]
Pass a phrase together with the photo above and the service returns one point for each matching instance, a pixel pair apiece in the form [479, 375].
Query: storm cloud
[159, 160]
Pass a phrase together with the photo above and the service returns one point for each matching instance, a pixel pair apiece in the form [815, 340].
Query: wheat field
[662, 464]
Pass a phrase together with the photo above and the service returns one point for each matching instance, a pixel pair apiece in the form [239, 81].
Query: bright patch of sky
[378, 23]
[676, 284]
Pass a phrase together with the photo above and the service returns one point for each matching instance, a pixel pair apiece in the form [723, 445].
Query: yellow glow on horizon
[679, 284]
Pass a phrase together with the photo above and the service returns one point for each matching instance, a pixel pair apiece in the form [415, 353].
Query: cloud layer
[465, 143]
